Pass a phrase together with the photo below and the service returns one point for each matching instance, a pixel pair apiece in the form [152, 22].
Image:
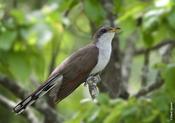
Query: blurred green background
[37, 35]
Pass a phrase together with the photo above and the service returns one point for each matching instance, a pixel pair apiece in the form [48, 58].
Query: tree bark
[112, 76]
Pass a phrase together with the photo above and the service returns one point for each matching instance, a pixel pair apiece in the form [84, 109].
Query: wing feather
[75, 70]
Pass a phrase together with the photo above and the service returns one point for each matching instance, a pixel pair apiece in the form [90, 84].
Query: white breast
[105, 48]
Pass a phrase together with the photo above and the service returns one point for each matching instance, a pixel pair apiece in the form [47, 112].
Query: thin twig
[167, 54]
[156, 47]
[159, 80]
[145, 69]
[157, 84]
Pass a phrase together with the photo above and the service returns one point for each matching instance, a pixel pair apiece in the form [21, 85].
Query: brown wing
[75, 70]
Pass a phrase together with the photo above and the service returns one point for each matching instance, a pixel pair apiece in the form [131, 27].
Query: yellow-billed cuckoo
[80, 67]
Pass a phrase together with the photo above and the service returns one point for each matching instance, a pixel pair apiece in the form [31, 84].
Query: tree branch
[157, 84]
[13, 87]
[156, 47]
[113, 69]
[145, 69]
[28, 114]
[50, 114]
[159, 80]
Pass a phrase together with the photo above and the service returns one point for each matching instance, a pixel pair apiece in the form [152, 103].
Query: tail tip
[18, 109]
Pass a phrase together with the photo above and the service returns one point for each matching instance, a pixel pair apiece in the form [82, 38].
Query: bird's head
[105, 34]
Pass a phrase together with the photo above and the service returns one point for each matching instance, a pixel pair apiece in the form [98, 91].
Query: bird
[82, 65]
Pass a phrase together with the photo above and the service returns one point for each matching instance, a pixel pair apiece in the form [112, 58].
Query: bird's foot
[92, 85]
[93, 90]
[92, 80]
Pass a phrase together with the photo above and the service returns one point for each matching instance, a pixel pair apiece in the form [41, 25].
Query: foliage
[32, 31]
[144, 110]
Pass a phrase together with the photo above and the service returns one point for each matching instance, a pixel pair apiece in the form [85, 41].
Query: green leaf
[129, 111]
[19, 16]
[115, 114]
[39, 34]
[9, 24]
[147, 39]
[94, 11]
[38, 65]
[131, 11]
[64, 4]
[152, 117]
[169, 76]
[19, 65]
[6, 39]
[171, 19]
[3, 63]
[103, 99]
[150, 25]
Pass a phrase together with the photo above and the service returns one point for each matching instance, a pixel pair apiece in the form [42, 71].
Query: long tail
[43, 89]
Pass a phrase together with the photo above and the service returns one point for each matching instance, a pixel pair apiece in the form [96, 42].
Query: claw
[93, 90]
[92, 85]
[92, 80]
[85, 84]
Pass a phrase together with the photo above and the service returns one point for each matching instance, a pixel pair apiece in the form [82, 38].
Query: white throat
[105, 48]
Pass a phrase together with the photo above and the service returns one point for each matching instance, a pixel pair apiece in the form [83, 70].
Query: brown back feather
[75, 70]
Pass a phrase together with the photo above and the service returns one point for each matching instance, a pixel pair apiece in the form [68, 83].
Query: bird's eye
[103, 30]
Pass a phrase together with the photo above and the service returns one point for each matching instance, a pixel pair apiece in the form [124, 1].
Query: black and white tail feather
[54, 81]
